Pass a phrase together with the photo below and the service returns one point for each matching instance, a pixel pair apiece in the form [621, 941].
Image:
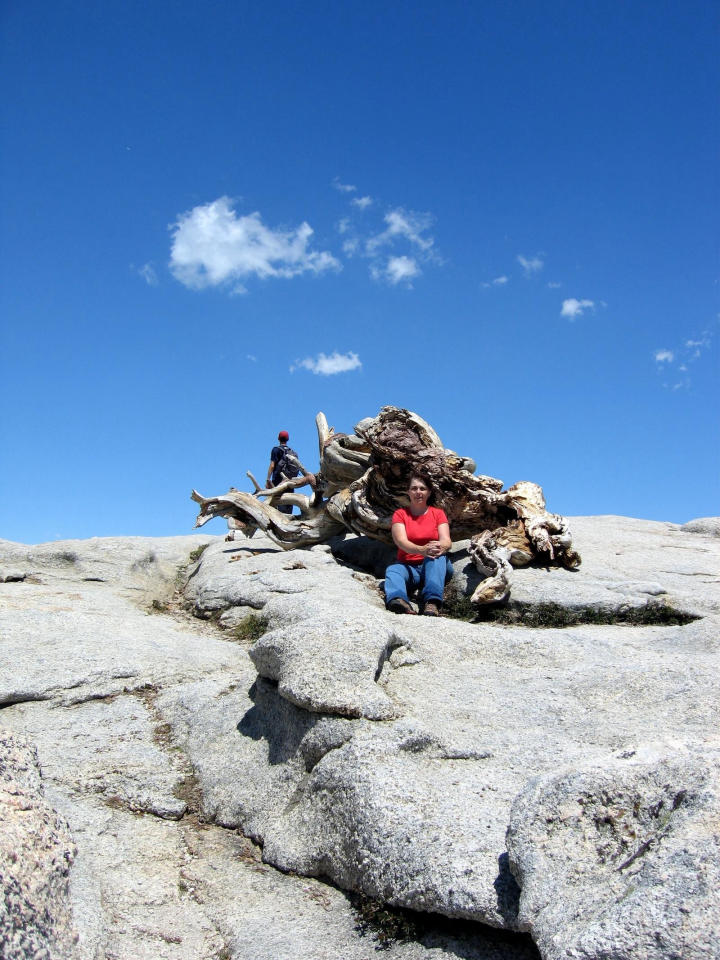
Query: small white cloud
[403, 224]
[361, 202]
[530, 265]
[396, 270]
[212, 246]
[574, 308]
[343, 225]
[149, 275]
[344, 187]
[554, 286]
[326, 366]
[497, 282]
[696, 347]
[251, 357]
[350, 246]
[664, 356]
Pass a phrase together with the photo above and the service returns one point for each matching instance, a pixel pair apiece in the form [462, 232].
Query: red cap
[283, 436]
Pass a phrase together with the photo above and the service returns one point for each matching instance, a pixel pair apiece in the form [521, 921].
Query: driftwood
[362, 480]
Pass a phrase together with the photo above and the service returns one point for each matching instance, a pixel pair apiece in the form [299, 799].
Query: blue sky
[220, 218]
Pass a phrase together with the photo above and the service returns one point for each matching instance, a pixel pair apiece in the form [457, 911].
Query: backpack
[285, 466]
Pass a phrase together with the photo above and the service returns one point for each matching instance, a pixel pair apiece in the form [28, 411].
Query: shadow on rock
[508, 891]
[275, 720]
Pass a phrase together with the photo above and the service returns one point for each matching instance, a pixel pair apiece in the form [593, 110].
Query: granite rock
[36, 854]
[622, 860]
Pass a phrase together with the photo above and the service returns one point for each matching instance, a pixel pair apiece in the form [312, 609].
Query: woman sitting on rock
[422, 536]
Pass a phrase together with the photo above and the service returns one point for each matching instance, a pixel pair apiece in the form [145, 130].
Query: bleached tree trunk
[363, 478]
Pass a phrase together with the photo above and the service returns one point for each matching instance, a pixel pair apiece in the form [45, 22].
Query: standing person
[422, 536]
[281, 468]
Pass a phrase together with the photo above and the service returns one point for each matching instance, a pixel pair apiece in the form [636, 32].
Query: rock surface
[641, 831]
[388, 754]
[120, 860]
[36, 851]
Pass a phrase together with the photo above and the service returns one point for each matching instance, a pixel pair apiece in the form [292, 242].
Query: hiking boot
[398, 605]
[431, 609]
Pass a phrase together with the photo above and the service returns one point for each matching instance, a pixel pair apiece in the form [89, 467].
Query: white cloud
[664, 356]
[343, 225]
[554, 285]
[396, 270]
[696, 347]
[362, 202]
[530, 265]
[344, 187]
[497, 282]
[211, 246]
[147, 272]
[251, 357]
[350, 246]
[326, 366]
[574, 308]
[402, 270]
[403, 224]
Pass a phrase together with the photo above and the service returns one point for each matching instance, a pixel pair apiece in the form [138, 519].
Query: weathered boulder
[622, 860]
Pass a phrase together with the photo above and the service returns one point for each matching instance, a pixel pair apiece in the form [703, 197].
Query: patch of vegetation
[198, 552]
[67, 556]
[250, 628]
[457, 606]
[385, 924]
[554, 615]
[159, 606]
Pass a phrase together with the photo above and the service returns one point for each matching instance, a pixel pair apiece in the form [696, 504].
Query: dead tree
[363, 478]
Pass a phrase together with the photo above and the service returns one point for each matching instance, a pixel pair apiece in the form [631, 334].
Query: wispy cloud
[572, 307]
[213, 246]
[251, 357]
[343, 187]
[497, 282]
[148, 273]
[327, 365]
[676, 363]
[530, 265]
[397, 251]
[697, 347]
[554, 285]
[403, 224]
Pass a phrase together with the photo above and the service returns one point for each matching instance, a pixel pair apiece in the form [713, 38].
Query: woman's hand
[433, 549]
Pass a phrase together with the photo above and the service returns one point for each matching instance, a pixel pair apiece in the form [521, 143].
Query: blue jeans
[430, 576]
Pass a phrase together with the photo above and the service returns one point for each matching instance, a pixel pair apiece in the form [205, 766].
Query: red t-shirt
[420, 530]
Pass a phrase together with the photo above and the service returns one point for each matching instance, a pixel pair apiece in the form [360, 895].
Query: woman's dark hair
[421, 476]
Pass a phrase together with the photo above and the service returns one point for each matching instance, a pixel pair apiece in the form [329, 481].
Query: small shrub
[457, 606]
[67, 556]
[250, 628]
[198, 552]
[159, 606]
[386, 924]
